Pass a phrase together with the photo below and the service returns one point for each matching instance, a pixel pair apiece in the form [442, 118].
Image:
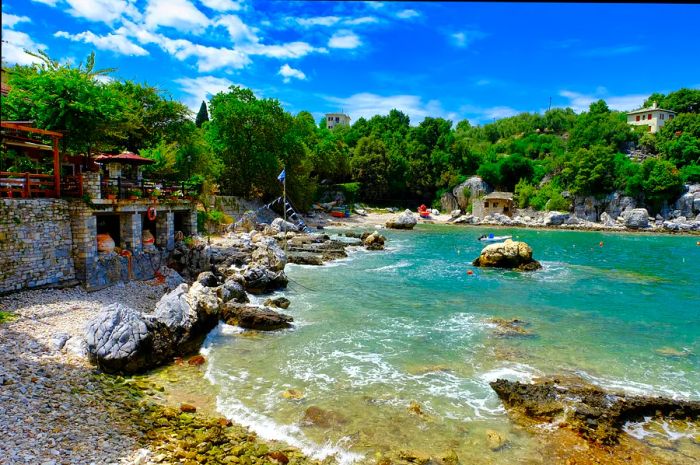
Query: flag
[282, 176]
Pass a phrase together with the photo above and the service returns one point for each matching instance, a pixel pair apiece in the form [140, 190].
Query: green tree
[370, 167]
[202, 115]
[65, 98]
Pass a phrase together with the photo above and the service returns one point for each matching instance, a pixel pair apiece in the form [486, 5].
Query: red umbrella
[129, 158]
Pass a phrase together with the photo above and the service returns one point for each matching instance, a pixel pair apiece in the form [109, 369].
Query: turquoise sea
[380, 330]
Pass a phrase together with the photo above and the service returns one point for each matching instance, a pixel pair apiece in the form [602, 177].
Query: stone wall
[35, 243]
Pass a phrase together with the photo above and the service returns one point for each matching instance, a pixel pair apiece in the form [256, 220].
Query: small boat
[340, 212]
[423, 211]
[492, 238]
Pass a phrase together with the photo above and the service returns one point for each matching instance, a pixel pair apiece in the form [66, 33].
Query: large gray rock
[269, 255]
[119, 340]
[123, 340]
[259, 280]
[689, 203]
[637, 218]
[280, 225]
[555, 218]
[470, 189]
[448, 202]
[606, 220]
[406, 220]
[232, 291]
[174, 309]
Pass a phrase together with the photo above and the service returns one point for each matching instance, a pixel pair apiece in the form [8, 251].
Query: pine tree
[202, 115]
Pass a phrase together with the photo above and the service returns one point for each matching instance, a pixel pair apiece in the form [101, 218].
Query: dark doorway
[109, 224]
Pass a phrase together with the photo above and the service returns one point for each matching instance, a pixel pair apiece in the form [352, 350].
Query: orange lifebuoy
[151, 213]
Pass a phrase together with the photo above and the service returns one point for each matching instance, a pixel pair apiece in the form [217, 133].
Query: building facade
[337, 119]
[495, 202]
[653, 117]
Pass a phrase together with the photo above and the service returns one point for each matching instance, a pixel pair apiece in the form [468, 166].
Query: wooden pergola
[17, 134]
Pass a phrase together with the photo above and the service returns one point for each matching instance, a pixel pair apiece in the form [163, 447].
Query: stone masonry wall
[35, 243]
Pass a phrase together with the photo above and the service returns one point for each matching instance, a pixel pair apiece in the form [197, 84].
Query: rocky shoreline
[56, 408]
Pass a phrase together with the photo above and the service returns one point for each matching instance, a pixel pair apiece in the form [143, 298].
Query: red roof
[124, 157]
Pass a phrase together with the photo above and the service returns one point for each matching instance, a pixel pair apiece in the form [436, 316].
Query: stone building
[495, 202]
[337, 119]
[49, 227]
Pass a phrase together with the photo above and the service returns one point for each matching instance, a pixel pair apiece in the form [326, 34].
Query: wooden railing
[72, 186]
[26, 185]
[123, 188]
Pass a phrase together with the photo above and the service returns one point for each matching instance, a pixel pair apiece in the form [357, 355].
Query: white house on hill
[335, 119]
[652, 117]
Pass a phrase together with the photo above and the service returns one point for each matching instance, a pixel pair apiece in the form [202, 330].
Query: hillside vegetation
[245, 141]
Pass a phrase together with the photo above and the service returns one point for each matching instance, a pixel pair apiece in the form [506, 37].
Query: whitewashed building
[653, 117]
[335, 119]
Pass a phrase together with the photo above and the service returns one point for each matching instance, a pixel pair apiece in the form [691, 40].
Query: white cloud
[580, 102]
[46, 2]
[318, 21]
[287, 72]
[208, 58]
[15, 42]
[407, 14]
[328, 21]
[222, 5]
[344, 39]
[237, 29]
[375, 5]
[288, 50]
[366, 105]
[106, 11]
[361, 20]
[117, 43]
[178, 14]
[201, 88]
[465, 38]
[499, 112]
[10, 21]
[483, 82]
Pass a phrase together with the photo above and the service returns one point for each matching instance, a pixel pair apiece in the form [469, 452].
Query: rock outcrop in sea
[509, 254]
[406, 220]
[590, 411]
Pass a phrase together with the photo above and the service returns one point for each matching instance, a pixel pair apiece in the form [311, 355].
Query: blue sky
[475, 61]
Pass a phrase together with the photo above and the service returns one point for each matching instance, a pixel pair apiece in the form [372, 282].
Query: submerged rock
[316, 416]
[509, 254]
[406, 220]
[590, 411]
[250, 317]
[279, 302]
[509, 328]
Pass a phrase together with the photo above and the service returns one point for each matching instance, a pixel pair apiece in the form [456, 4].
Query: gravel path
[53, 407]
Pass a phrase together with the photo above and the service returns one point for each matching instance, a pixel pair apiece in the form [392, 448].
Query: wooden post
[27, 187]
[56, 168]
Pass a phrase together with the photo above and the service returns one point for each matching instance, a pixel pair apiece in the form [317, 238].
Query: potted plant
[155, 194]
[111, 192]
[135, 194]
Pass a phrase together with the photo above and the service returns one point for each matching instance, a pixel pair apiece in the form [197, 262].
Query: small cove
[378, 331]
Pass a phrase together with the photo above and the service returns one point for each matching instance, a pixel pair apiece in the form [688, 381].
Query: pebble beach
[53, 408]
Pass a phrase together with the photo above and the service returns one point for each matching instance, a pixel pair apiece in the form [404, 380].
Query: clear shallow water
[380, 330]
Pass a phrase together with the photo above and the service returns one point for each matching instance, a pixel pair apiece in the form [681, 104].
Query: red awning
[128, 158]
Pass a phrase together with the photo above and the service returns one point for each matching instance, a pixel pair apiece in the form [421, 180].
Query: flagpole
[284, 207]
